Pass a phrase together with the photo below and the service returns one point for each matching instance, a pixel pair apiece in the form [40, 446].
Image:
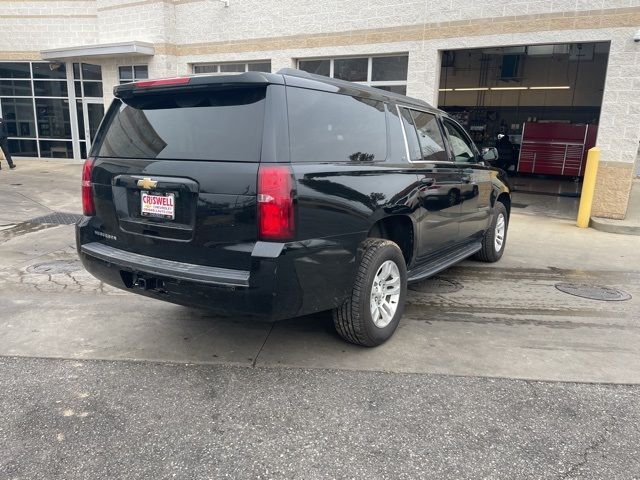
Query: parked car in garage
[279, 195]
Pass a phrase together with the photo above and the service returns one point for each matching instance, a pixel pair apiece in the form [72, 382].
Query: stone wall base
[613, 188]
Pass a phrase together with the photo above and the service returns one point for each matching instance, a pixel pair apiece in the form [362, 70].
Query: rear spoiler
[196, 82]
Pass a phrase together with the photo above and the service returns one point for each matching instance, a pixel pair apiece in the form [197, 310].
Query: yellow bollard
[588, 187]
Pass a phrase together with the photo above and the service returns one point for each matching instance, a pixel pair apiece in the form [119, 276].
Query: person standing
[506, 155]
[4, 144]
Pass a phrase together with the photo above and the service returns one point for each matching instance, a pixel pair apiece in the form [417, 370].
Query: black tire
[488, 253]
[353, 319]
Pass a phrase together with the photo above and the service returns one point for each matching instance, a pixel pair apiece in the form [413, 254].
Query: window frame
[133, 73]
[368, 82]
[218, 64]
[474, 149]
[445, 137]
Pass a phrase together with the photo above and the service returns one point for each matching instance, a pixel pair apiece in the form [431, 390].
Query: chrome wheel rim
[499, 233]
[385, 294]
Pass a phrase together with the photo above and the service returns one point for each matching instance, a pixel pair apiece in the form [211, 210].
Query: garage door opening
[538, 106]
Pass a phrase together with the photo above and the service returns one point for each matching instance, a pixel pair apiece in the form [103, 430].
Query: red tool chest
[555, 148]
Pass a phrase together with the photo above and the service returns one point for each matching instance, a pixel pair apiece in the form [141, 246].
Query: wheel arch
[505, 199]
[394, 228]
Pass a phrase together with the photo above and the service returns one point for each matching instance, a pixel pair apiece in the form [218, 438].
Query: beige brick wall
[150, 22]
[34, 25]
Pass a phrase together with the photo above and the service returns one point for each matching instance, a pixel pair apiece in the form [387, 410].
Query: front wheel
[372, 313]
[495, 238]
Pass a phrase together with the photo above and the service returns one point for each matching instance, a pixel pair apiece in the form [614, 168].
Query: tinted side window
[430, 136]
[415, 155]
[328, 127]
[463, 150]
[215, 125]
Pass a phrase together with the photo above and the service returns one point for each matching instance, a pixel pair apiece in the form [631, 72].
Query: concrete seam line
[312, 368]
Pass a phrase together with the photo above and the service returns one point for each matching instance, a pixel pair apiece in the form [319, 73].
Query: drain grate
[55, 266]
[593, 292]
[58, 218]
[436, 285]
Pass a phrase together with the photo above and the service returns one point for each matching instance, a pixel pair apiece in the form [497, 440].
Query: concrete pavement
[65, 419]
[506, 320]
[132, 388]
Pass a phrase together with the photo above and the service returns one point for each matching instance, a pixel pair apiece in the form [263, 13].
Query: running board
[451, 258]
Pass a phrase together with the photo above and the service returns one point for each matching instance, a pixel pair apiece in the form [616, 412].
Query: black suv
[279, 195]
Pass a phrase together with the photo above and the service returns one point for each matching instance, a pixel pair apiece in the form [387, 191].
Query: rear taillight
[276, 220]
[88, 207]
[162, 82]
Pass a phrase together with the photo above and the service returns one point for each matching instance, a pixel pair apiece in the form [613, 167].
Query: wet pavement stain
[55, 266]
[23, 228]
[436, 285]
[553, 274]
[516, 322]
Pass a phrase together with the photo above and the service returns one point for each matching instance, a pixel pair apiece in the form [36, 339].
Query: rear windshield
[210, 125]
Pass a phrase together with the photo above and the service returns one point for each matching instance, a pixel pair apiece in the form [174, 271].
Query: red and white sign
[158, 205]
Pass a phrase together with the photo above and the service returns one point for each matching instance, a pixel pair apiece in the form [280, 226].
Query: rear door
[439, 180]
[475, 192]
[175, 174]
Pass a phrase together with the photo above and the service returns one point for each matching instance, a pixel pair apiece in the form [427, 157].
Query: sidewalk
[631, 224]
[39, 187]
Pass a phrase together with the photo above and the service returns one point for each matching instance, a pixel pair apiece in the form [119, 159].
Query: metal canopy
[100, 50]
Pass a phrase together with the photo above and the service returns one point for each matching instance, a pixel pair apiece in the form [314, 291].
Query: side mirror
[489, 154]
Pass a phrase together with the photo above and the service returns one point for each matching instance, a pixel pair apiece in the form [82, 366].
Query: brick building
[57, 54]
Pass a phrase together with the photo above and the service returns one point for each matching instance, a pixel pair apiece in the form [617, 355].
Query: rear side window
[424, 137]
[209, 125]
[463, 150]
[430, 136]
[328, 127]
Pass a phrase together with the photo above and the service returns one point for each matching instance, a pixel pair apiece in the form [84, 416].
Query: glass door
[86, 87]
[90, 113]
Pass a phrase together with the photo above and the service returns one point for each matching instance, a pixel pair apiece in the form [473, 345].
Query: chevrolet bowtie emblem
[147, 183]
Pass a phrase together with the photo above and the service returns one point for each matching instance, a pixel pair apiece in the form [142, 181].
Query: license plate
[163, 206]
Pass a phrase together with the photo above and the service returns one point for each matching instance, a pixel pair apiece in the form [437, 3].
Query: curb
[614, 226]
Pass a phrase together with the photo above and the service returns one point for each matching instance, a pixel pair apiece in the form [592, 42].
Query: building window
[34, 101]
[132, 73]
[87, 80]
[260, 66]
[385, 72]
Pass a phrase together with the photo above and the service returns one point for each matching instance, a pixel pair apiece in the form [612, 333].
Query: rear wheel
[495, 238]
[372, 313]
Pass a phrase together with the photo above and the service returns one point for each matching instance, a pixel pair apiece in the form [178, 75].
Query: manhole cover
[594, 292]
[58, 218]
[55, 266]
[436, 285]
